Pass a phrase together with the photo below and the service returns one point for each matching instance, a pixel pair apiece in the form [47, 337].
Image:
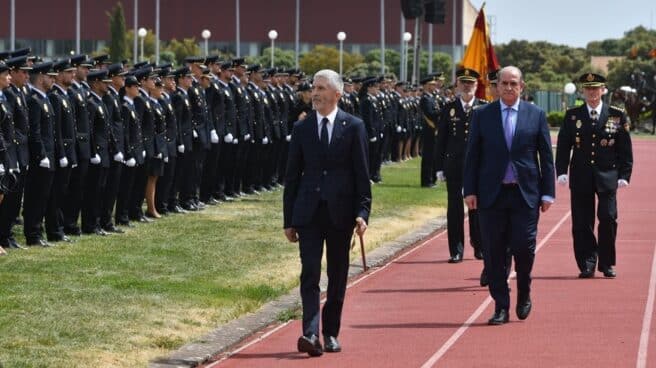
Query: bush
[555, 118]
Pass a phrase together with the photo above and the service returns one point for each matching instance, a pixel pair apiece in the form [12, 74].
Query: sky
[567, 22]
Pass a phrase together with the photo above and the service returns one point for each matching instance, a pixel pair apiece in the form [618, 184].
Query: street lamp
[273, 34]
[407, 36]
[206, 34]
[341, 36]
[142, 32]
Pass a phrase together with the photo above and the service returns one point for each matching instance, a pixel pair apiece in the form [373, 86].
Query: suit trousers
[586, 246]
[311, 242]
[508, 223]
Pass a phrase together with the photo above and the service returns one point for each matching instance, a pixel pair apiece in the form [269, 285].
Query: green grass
[121, 300]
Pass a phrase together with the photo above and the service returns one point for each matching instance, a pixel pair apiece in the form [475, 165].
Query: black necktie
[324, 132]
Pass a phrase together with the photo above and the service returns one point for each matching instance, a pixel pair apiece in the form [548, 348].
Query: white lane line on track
[474, 316]
[278, 328]
[646, 320]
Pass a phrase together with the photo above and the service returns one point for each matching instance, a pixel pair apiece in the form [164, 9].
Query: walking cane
[364, 259]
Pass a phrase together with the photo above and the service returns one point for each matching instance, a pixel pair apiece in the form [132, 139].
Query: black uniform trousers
[10, 207]
[586, 246]
[138, 194]
[241, 171]
[121, 216]
[210, 172]
[165, 185]
[181, 172]
[72, 205]
[256, 165]
[227, 166]
[93, 197]
[311, 242]
[428, 153]
[111, 194]
[455, 215]
[282, 163]
[38, 186]
[508, 223]
[374, 159]
[192, 183]
[54, 214]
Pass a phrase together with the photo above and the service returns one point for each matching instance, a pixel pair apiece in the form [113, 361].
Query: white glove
[181, 148]
[63, 162]
[2, 169]
[131, 162]
[289, 138]
[118, 157]
[265, 140]
[194, 133]
[562, 179]
[45, 163]
[143, 153]
[72, 166]
[159, 156]
[166, 160]
[214, 138]
[95, 159]
[382, 135]
[440, 176]
[235, 141]
[247, 137]
[13, 170]
[399, 129]
[228, 138]
[404, 130]
[621, 183]
[374, 139]
[18, 169]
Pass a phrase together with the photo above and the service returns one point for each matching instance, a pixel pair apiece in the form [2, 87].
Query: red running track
[419, 311]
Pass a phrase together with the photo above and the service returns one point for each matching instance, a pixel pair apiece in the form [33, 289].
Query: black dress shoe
[60, 238]
[144, 219]
[73, 231]
[178, 209]
[609, 272]
[39, 243]
[500, 317]
[331, 345]
[310, 345]
[523, 308]
[478, 254]
[113, 229]
[455, 259]
[11, 243]
[483, 280]
[212, 201]
[586, 274]
[125, 223]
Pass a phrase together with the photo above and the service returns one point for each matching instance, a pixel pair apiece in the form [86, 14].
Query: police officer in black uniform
[100, 124]
[227, 134]
[452, 134]
[41, 140]
[16, 100]
[184, 157]
[372, 116]
[166, 182]
[7, 151]
[430, 109]
[116, 147]
[597, 137]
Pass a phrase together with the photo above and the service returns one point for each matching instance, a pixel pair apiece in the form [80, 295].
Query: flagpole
[453, 42]
[417, 45]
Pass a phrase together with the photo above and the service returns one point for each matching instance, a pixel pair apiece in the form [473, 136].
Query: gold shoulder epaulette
[616, 108]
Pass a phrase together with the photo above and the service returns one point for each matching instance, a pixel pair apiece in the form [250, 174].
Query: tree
[282, 58]
[324, 57]
[118, 46]
[182, 49]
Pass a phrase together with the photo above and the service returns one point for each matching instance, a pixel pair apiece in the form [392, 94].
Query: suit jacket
[602, 150]
[338, 173]
[530, 155]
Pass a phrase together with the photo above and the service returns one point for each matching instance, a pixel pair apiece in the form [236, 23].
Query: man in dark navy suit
[509, 177]
[327, 194]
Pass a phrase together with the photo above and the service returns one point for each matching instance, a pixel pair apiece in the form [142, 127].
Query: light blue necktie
[508, 132]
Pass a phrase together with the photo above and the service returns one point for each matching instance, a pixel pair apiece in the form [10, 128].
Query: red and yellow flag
[479, 54]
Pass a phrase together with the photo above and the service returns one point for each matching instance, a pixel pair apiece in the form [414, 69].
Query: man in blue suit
[509, 177]
[327, 194]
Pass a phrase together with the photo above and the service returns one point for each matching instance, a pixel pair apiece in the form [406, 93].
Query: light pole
[341, 36]
[142, 32]
[407, 36]
[273, 34]
[206, 34]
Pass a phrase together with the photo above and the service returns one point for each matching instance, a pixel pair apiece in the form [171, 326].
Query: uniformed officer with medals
[452, 134]
[597, 138]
